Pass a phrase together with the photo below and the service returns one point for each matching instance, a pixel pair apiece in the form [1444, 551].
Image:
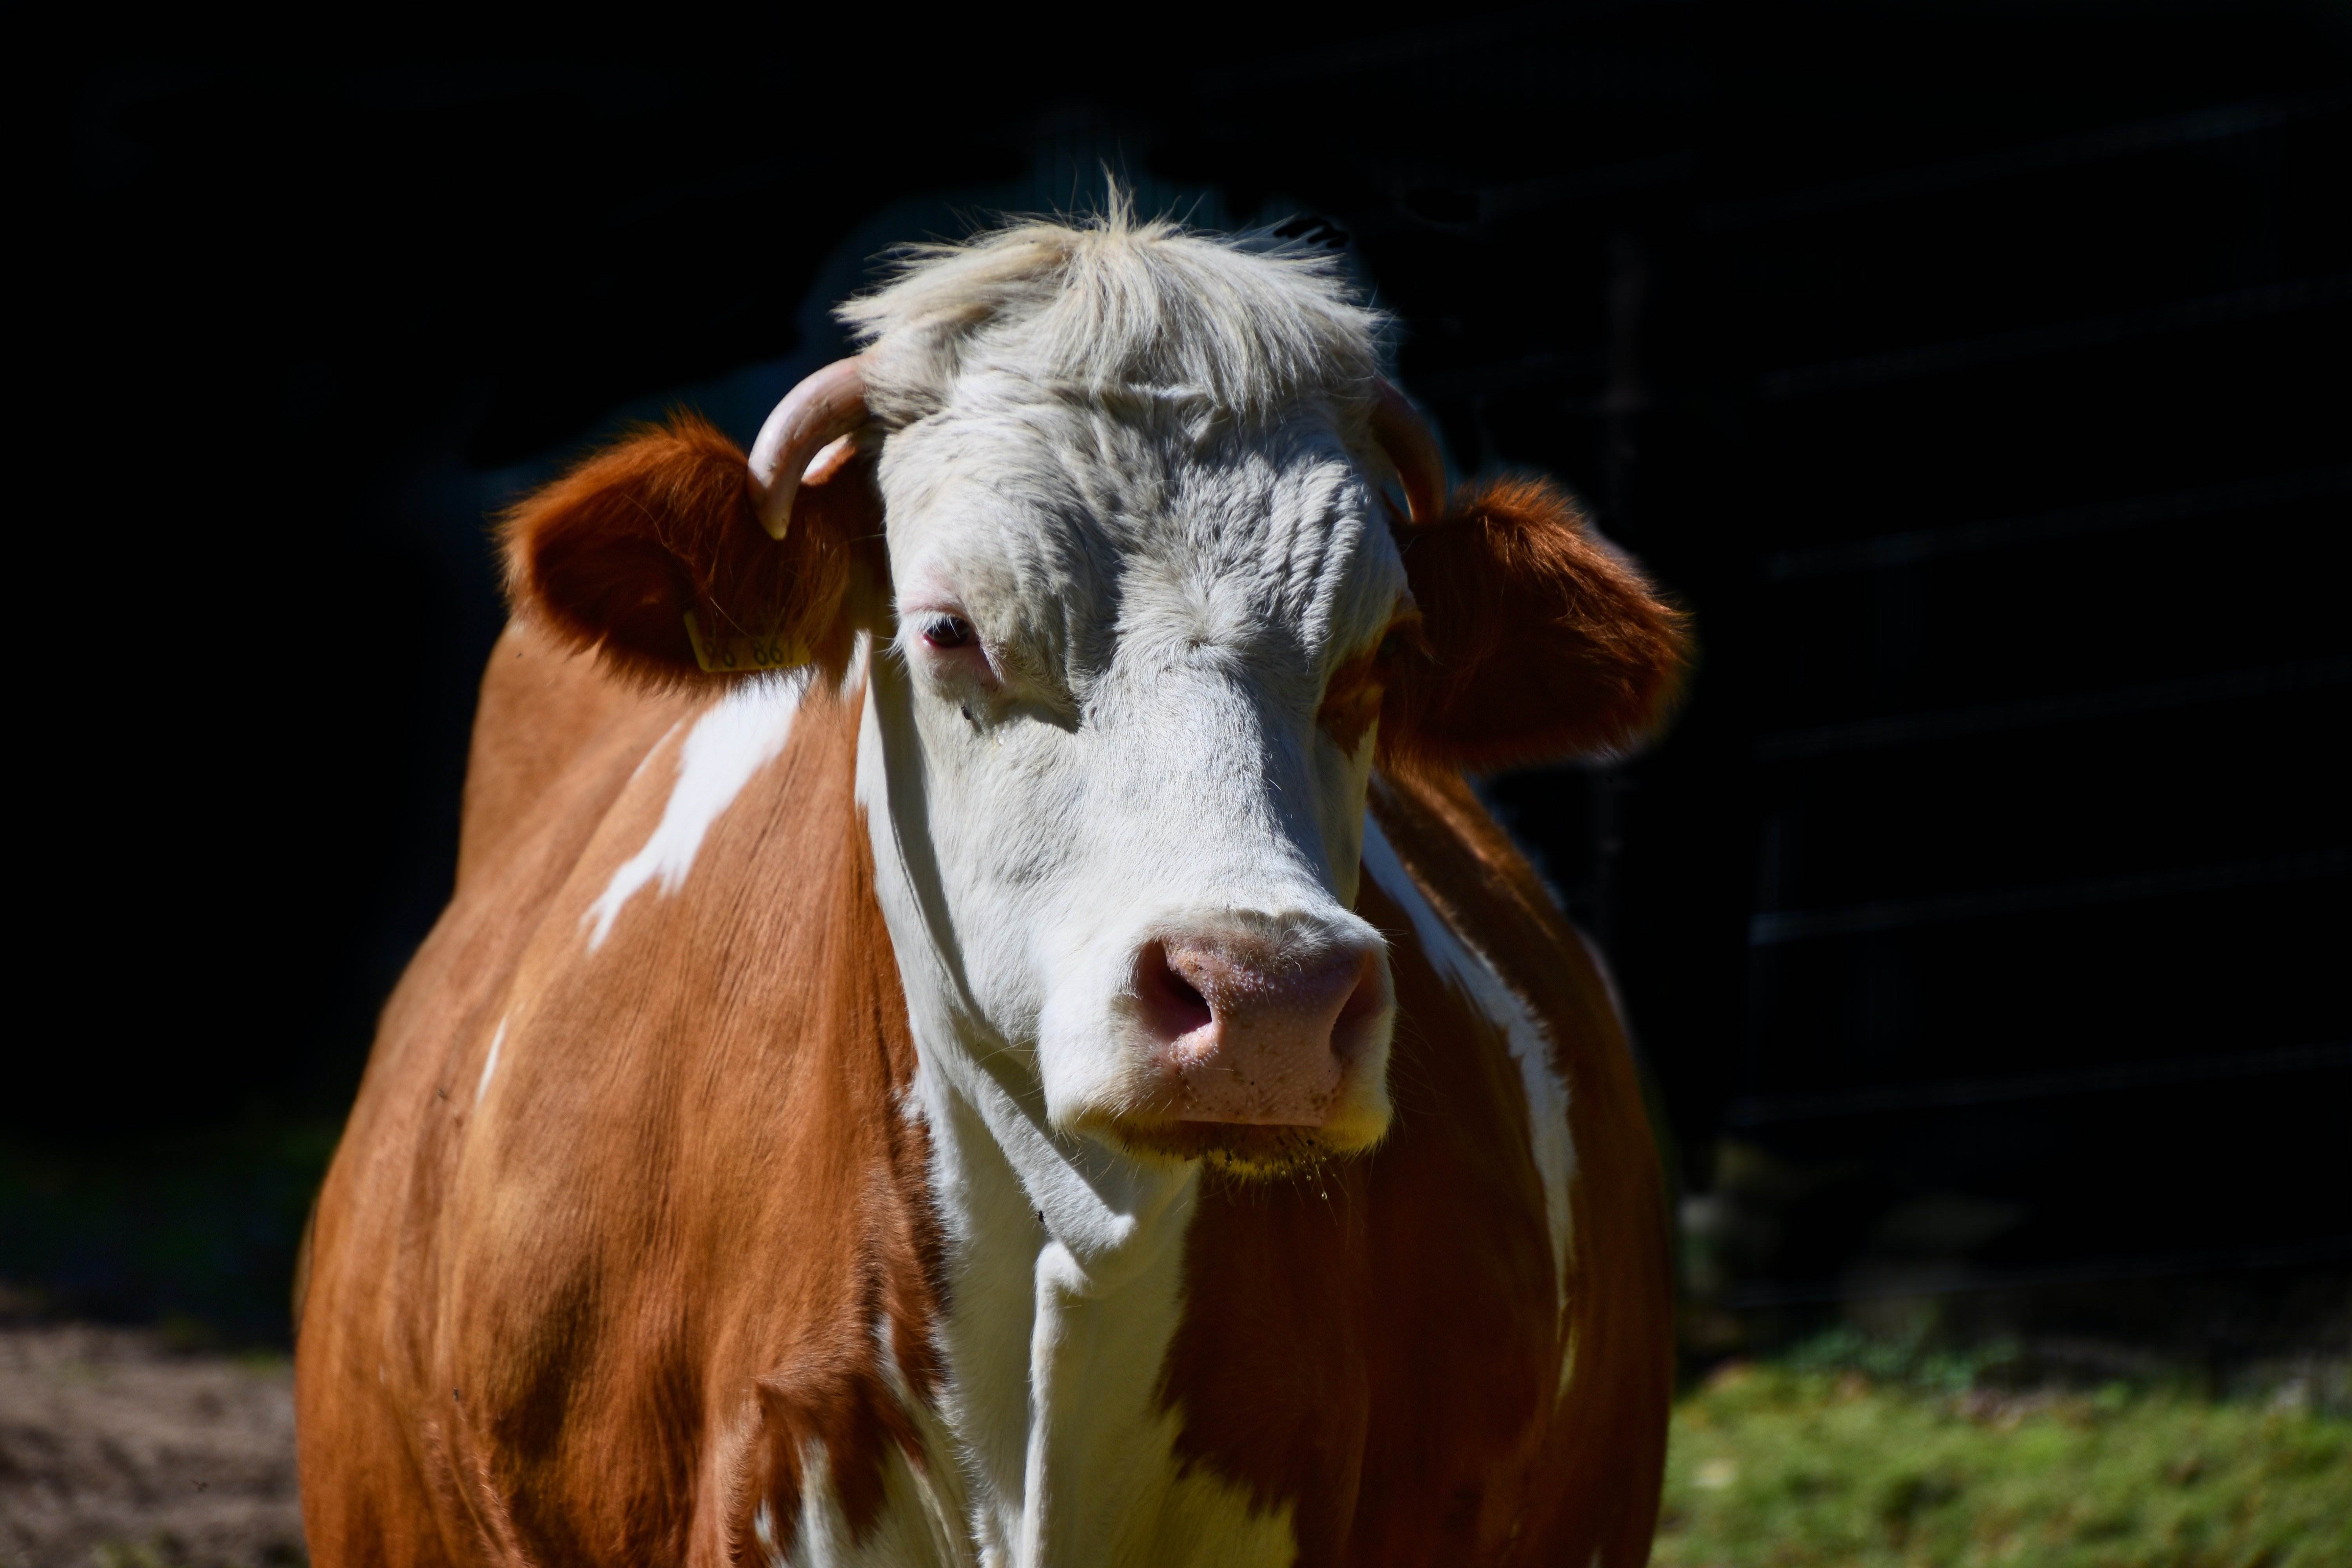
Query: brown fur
[1604, 1456]
[614, 554]
[595, 1318]
[1540, 640]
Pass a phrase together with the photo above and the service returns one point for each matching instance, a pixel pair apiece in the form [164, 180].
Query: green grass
[1806, 1462]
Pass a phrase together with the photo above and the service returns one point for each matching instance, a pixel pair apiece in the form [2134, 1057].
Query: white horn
[818, 413]
[1406, 437]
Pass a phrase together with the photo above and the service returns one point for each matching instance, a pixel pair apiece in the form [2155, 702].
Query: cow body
[735, 1178]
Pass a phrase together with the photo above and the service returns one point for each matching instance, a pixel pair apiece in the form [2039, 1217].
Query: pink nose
[1248, 1031]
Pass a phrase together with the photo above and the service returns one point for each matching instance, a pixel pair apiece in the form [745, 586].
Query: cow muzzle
[1266, 1050]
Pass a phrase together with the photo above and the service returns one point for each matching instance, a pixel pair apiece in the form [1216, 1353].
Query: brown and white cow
[1039, 1059]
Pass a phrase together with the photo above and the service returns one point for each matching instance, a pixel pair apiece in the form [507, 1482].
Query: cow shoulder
[376, 1421]
[718, 1074]
[542, 706]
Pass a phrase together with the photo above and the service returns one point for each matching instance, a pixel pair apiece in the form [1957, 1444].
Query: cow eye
[1402, 641]
[948, 631]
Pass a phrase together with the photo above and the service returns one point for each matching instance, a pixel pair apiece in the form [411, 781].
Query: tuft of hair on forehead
[1252, 325]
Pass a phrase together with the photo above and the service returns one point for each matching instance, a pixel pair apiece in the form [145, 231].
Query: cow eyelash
[947, 632]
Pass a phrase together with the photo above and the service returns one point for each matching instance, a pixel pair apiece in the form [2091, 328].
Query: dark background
[1977, 372]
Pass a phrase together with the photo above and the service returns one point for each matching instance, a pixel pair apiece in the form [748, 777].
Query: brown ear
[616, 553]
[1536, 639]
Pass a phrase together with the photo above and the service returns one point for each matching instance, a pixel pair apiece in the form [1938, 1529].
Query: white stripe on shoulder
[741, 734]
[1475, 976]
[490, 1062]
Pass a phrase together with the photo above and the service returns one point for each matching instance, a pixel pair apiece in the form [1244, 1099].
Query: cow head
[1144, 621]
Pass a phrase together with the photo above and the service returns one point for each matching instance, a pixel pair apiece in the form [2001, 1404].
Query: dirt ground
[118, 1452]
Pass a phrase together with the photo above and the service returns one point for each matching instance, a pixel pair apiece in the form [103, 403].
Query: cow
[980, 1021]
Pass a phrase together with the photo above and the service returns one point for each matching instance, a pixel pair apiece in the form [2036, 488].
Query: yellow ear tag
[734, 654]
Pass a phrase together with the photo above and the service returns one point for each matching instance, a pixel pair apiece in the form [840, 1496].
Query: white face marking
[490, 1062]
[1116, 639]
[741, 734]
[1470, 972]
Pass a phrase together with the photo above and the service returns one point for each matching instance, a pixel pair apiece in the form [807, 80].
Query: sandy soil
[117, 1453]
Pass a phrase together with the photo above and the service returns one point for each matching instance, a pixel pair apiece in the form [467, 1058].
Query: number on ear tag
[736, 652]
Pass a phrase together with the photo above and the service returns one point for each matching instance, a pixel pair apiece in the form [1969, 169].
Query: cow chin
[1241, 1149]
[1157, 1127]
[1147, 1108]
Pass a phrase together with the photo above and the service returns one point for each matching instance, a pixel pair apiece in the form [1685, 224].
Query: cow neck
[1066, 1261]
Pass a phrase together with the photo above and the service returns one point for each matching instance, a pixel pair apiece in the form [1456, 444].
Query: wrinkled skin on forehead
[1131, 740]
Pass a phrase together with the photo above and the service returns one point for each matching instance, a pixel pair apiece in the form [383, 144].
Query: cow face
[1121, 636]
[1143, 629]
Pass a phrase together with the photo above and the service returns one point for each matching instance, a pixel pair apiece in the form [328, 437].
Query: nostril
[1367, 1001]
[1183, 989]
[1173, 1004]
[1334, 999]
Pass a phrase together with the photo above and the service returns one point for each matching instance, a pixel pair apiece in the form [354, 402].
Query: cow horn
[819, 412]
[1406, 437]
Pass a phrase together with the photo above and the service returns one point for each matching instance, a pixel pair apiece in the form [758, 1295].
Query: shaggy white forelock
[1246, 327]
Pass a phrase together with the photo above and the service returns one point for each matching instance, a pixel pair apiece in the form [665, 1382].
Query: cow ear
[1536, 639]
[618, 554]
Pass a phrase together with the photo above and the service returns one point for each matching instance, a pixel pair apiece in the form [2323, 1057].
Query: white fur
[937, 1484]
[903, 1537]
[1067, 1263]
[1475, 976]
[490, 1062]
[1144, 756]
[741, 734]
[1248, 327]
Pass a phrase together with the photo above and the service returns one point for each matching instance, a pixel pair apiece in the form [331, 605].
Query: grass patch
[1818, 1459]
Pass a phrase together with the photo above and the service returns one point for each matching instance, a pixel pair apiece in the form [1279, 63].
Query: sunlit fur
[1245, 329]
